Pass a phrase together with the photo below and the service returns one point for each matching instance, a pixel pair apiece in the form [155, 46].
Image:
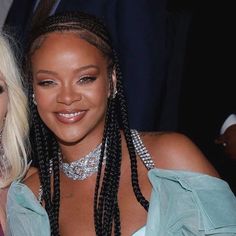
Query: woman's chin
[68, 140]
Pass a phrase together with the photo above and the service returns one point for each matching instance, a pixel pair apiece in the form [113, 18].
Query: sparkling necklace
[84, 167]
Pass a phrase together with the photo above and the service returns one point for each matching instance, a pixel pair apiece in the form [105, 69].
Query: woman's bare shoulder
[171, 150]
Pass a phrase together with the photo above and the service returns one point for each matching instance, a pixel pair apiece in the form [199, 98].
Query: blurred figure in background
[227, 136]
[226, 150]
[4, 7]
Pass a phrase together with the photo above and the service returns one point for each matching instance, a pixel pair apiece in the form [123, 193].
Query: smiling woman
[97, 176]
[70, 96]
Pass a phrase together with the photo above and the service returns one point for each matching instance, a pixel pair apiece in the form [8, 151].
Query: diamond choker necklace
[84, 167]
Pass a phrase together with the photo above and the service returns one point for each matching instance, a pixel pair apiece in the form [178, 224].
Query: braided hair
[106, 207]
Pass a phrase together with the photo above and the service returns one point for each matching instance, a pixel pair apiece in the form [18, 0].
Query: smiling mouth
[70, 117]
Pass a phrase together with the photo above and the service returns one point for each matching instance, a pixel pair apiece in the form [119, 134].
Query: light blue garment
[25, 216]
[140, 232]
[190, 204]
[182, 204]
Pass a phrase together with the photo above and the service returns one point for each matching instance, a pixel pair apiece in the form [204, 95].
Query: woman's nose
[68, 95]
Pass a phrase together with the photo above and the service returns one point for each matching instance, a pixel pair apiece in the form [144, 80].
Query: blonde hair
[15, 130]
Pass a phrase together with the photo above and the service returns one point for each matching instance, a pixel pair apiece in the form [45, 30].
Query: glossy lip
[69, 117]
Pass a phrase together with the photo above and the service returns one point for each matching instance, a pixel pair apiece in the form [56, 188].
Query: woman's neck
[76, 151]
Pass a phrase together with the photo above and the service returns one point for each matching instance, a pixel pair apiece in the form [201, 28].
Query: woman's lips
[70, 117]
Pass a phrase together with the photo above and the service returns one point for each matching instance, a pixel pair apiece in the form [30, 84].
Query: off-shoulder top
[182, 204]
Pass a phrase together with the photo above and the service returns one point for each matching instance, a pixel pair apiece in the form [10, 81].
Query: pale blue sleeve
[190, 204]
[25, 216]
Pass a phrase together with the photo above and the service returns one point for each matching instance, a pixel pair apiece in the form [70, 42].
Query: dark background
[208, 89]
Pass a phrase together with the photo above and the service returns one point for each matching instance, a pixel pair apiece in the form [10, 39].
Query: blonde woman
[13, 123]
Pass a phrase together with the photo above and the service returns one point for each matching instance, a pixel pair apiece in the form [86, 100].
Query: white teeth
[69, 115]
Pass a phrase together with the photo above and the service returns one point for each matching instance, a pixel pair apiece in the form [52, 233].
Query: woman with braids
[95, 175]
[13, 123]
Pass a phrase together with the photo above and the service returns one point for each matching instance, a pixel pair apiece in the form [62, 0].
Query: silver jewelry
[88, 165]
[84, 167]
[114, 94]
[34, 100]
[141, 150]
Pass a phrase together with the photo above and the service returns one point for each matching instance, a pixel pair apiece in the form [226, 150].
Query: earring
[34, 101]
[114, 94]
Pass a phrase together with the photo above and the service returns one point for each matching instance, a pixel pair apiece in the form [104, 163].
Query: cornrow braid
[46, 149]
[72, 20]
[106, 206]
[97, 208]
[125, 126]
[110, 182]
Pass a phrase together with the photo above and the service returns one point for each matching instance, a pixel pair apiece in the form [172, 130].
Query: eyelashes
[87, 79]
[81, 81]
[45, 83]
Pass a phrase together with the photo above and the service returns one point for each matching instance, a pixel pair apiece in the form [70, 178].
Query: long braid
[128, 137]
[56, 187]
[98, 204]
[106, 207]
[112, 173]
[46, 147]
[108, 210]
[43, 170]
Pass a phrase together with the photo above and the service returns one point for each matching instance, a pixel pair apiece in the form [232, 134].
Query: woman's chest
[77, 213]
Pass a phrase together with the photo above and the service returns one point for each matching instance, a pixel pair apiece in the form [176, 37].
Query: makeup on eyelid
[82, 80]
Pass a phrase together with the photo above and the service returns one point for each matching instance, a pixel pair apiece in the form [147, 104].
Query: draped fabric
[188, 203]
[4, 7]
[182, 203]
[18, 19]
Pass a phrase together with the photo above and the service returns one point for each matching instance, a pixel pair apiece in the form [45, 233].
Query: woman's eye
[87, 79]
[46, 83]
